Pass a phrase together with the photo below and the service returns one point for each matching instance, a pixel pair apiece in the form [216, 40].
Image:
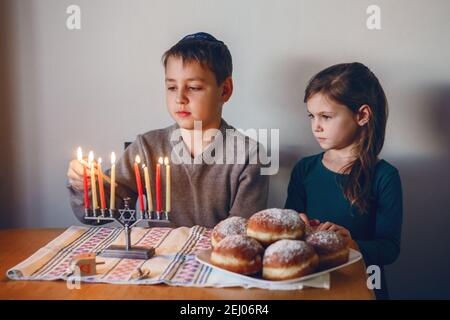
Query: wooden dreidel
[85, 263]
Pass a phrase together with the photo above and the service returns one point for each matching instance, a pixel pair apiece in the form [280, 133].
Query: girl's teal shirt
[317, 191]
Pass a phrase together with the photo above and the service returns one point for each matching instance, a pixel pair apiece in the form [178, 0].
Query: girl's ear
[227, 89]
[363, 115]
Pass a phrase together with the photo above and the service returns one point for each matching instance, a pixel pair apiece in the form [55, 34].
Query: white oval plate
[204, 256]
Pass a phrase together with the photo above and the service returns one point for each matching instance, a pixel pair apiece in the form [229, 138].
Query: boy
[198, 73]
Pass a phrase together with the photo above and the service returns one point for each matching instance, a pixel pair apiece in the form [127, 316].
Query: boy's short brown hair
[206, 50]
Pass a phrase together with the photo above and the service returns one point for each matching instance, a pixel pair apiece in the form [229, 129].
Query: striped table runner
[174, 262]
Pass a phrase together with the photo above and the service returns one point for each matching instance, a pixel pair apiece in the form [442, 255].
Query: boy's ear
[227, 89]
[364, 114]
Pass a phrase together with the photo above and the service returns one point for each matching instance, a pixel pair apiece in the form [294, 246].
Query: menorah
[127, 217]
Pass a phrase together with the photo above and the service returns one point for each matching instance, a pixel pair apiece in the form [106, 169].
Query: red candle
[138, 182]
[158, 184]
[86, 188]
[85, 179]
[100, 185]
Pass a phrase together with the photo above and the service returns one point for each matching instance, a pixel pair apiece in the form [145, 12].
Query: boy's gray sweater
[202, 193]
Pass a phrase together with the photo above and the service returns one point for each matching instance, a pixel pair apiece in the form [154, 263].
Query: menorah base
[121, 252]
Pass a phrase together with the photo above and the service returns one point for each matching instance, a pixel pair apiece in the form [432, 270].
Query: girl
[347, 187]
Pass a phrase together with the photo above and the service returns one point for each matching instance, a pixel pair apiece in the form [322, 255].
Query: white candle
[166, 162]
[148, 189]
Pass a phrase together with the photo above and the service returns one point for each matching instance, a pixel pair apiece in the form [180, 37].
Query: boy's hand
[75, 175]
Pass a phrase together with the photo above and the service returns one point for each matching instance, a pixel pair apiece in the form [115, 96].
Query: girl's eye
[326, 117]
[171, 88]
[310, 116]
[195, 88]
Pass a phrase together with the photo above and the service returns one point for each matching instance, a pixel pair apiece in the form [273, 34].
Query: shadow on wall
[291, 75]
[20, 198]
[421, 272]
[7, 178]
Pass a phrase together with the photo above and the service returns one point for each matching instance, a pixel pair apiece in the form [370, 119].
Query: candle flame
[166, 161]
[160, 160]
[138, 159]
[79, 154]
[113, 158]
[91, 157]
[99, 160]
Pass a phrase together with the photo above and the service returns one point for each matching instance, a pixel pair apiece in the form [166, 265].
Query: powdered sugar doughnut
[331, 248]
[239, 254]
[228, 227]
[288, 259]
[270, 225]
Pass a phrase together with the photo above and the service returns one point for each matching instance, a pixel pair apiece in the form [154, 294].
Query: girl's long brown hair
[354, 85]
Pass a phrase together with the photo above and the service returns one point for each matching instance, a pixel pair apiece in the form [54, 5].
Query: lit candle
[85, 179]
[93, 186]
[112, 199]
[100, 185]
[166, 162]
[148, 188]
[138, 182]
[158, 184]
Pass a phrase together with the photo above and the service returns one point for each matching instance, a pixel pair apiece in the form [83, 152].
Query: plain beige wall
[102, 85]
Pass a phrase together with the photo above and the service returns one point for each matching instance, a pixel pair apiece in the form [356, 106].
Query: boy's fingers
[76, 167]
[76, 184]
[72, 176]
[76, 181]
[78, 171]
[75, 174]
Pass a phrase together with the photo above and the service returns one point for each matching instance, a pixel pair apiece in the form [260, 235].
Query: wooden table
[18, 244]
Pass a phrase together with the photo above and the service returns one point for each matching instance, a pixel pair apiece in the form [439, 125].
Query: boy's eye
[195, 88]
[310, 116]
[326, 117]
[171, 88]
